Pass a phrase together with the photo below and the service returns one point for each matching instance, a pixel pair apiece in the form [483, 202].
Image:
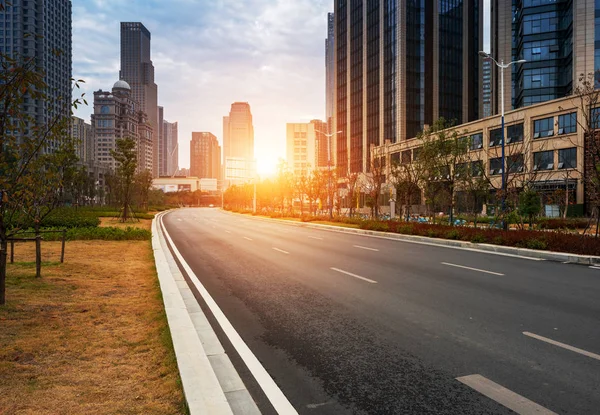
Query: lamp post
[329, 201]
[502, 67]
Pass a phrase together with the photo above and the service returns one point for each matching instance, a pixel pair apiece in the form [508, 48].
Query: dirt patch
[89, 337]
[113, 222]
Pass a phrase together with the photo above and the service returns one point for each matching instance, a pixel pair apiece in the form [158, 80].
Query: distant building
[238, 142]
[323, 153]
[176, 184]
[116, 115]
[47, 24]
[205, 156]
[138, 71]
[486, 88]
[300, 147]
[84, 137]
[171, 148]
[329, 70]
[183, 172]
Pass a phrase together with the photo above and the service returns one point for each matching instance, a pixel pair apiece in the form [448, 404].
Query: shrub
[478, 238]
[453, 234]
[535, 244]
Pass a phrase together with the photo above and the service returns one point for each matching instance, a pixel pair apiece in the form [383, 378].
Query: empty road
[346, 323]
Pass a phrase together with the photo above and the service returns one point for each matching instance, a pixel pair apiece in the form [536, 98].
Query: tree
[353, 187]
[31, 174]
[126, 158]
[407, 178]
[530, 205]
[142, 184]
[373, 183]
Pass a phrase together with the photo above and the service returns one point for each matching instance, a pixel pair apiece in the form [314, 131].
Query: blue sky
[210, 53]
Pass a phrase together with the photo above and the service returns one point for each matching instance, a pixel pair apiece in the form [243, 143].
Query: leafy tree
[142, 184]
[126, 158]
[373, 183]
[530, 205]
[35, 157]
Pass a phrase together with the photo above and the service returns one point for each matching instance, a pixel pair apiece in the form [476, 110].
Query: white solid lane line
[277, 398]
[354, 275]
[503, 396]
[316, 237]
[366, 248]
[594, 267]
[472, 269]
[563, 345]
[281, 250]
[245, 237]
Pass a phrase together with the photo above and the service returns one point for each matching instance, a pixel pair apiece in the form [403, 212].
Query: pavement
[341, 323]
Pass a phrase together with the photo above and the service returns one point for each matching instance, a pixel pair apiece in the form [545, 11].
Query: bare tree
[373, 182]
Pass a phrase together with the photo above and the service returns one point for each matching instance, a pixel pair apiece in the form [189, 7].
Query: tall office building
[400, 65]
[205, 156]
[329, 70]
[322, 153]
[116, 116]
[238, 144]
[137, 70]
[557, 38]
[36, 28]
[162, 144]
[300, 147]
[170, 157]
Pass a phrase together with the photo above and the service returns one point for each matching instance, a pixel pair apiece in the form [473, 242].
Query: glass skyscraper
[401, 65]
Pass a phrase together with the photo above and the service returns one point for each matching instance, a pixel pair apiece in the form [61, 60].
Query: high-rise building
[329, 69]
[238, 144]
[401, 65]
[42, 29]
[171, 147]
[300, 147]
[556, 38]
[116, 116]
[82, 132]
[162, 144]
[137, 70]
[486, 88]
[205, 156]
[323, 154]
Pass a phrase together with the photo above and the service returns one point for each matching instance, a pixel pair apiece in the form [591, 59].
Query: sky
[208, 54]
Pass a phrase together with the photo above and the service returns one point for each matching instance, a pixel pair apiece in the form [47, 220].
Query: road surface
[346, 323]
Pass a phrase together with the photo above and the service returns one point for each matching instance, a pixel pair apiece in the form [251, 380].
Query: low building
[176, 184]
[544, 147]
[300, 147]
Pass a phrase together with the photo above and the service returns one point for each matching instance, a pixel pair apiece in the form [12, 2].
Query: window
[543, 127]
[104, 109]
[515, 163]
[496, 166]
[567, 158]
[476, 141]
[406, 157]
[567, 123]
[514, 133]
[496, 137]
[595, 118]
[461, 170]
[395, 158]
[543, 160]
[477, 168]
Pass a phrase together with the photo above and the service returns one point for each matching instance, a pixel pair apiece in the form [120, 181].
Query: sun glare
[266, 164]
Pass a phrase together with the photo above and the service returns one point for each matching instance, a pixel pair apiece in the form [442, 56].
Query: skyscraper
[171, 147]
[47, 24]
[400, 65]
[205, 156]
[238, 144]
[557, 40]
[323, 154]
[137, 70]
[329, 69]
[83, 134]
[486, 88]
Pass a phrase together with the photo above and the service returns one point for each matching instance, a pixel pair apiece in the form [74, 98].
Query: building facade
[205, 156]
[556, 38]
[239, 164]
[116, 116]
[170, 146]
[81, 131]
[301, 147]
[330, 69]
[34, 29]
[138, 71]
[323, 152]
[400, 65]
[544, 148]
[486, 88]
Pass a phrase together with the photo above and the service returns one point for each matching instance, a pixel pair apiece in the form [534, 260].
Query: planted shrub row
[101, 233]
[552, 241]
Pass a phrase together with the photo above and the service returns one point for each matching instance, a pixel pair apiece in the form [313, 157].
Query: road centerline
[562, 345]
[504, 396]
[365, 248]
[248, 239]
[354, 275]
[472, 269]
[281, 250]
[316, 237]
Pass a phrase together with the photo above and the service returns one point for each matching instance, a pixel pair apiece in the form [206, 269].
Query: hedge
[102, 233]
[552, 241]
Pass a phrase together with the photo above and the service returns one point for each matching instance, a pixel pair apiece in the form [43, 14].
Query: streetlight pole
[502, 67]
[329, 201]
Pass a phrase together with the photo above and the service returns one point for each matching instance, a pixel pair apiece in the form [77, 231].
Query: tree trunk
[3, 253]
[38, 251]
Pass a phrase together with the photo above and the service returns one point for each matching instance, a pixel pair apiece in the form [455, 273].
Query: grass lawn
[90, 336]
[113, 222]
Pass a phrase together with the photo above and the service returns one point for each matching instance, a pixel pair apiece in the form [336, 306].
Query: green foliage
[530, 204]
[102, 233]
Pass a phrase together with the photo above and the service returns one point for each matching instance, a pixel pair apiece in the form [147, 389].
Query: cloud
[208, 54]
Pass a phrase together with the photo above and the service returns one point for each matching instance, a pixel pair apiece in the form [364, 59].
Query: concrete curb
[211, 384]
[447, 243]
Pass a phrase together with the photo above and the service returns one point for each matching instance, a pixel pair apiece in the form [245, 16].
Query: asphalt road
[355, 324]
